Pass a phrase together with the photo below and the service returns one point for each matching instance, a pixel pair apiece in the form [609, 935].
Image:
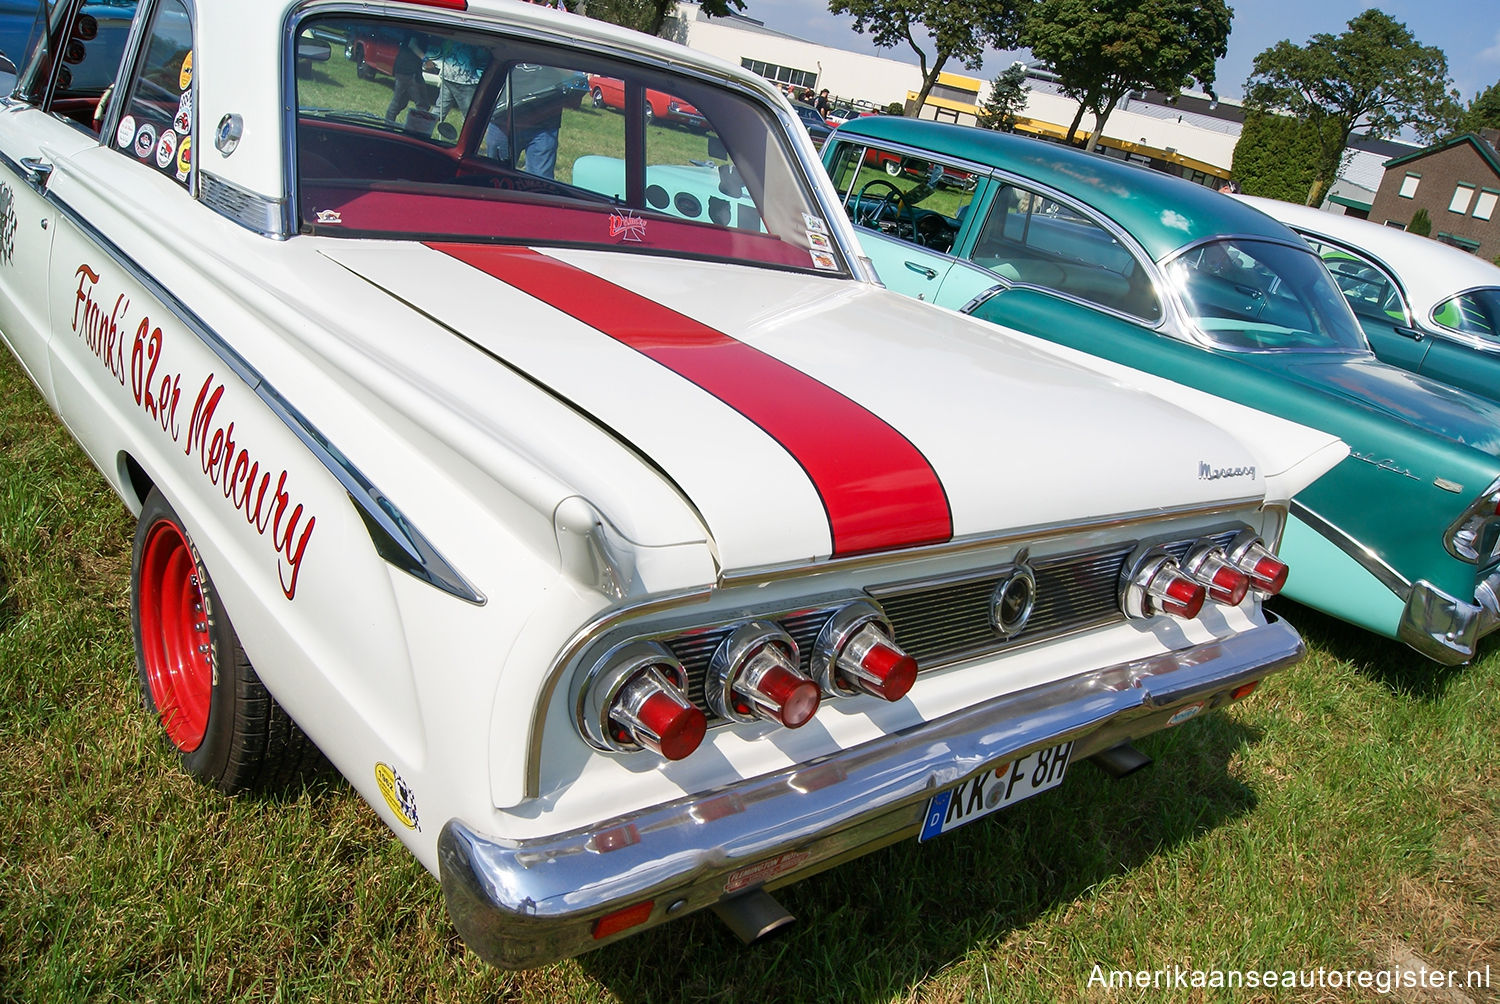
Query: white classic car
[566, 479]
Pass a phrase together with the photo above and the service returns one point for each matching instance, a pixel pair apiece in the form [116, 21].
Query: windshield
[413, 130]
[1476, 312]
[1263, 296]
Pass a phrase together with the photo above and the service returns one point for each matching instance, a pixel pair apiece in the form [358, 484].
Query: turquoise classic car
[1171, 278]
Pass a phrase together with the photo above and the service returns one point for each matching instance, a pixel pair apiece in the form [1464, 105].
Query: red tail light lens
[1176, 593]
[1250, 555]
[855, 653]
[1152, 583]
[652, 713]
[1210, 566]
[754, 674]
[634, 698]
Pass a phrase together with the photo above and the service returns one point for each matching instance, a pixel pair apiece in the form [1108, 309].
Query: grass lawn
[1346, 816]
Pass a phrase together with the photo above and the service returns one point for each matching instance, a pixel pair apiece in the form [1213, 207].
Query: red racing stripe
[877, 488]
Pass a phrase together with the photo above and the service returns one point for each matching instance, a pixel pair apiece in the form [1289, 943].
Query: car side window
[916, 200]
[156, 121]
[1474, 313]
[73, 57]
[1030, 238]
[1370, 291]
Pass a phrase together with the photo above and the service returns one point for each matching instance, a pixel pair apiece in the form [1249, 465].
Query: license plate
[993, 788]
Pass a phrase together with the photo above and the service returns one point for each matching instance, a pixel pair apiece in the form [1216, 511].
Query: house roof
[1480, 146]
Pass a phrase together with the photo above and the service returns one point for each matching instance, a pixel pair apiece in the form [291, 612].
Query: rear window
[1476, 312]
[406, 129]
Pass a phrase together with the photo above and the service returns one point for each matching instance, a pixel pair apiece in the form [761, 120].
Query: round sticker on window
[126, 132]
[185, 76]
[184, 158]
[166, 149]
[145, 140]
[183, 122]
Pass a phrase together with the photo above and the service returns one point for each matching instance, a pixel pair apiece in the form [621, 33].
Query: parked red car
[609, 92]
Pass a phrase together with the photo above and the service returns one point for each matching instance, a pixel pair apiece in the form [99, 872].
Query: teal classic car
[1173, 279]
[1425, 306]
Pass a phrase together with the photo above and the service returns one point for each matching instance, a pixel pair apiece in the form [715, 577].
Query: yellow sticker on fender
[398, 796]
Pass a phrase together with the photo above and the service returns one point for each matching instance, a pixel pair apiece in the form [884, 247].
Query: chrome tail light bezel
[1465, 536]
[1145, 581]
[737, 684]
[606, 683]
[839, 675]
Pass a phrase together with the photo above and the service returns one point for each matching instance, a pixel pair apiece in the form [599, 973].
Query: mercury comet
[568, 482]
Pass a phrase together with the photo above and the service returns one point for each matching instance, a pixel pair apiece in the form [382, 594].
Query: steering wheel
[871, 216]
[933, 232]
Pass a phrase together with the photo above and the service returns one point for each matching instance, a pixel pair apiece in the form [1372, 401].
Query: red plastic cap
[1270, 573]
[895, 670]
[1229, 586]
[795, 697]
[1184, 597]
[681, 726]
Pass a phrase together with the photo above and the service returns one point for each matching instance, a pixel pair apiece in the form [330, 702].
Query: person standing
[406, 69]
[821, 104]
[462, 67]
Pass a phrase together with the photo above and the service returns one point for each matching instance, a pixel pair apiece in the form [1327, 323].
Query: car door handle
[37, 170]
[1411, 333]
[921, 270]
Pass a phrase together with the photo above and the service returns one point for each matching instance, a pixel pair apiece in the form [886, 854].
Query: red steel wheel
[176, 648]
[225, 727]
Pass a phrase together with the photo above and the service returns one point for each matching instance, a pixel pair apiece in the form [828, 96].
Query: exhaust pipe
[1118, 761]
[752, 915]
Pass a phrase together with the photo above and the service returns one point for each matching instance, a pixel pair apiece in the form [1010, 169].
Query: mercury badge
[1013, 599]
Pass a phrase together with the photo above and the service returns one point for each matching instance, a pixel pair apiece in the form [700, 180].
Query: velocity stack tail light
[1209, 565]
[1155, 584]
[1249, 554]
[636, 700]
[856, 653]
[755, 675]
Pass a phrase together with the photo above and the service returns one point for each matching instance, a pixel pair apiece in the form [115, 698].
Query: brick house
[1457, 181]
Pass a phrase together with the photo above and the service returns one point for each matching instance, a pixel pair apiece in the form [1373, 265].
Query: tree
[646, 15]
[1275, 156]
[1483, 112]
[1421, 223]
[1375, 78]
[957, 29]
[1007, 97]
[1103, 49]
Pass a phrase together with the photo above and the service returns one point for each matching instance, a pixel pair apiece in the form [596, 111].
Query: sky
[1468, 32]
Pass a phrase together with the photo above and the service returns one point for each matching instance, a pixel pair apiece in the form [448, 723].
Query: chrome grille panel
[945, 621]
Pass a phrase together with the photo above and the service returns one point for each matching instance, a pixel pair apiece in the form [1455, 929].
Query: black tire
[362, 69]
[225, 727]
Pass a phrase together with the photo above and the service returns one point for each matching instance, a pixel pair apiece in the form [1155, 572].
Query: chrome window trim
[396, 540]
[1199, 336]
[1143, 260]
[1374, 262]
[560, 38]
[1467, 337]
[608, 618]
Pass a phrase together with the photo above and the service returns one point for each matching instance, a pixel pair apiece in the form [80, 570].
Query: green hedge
[1276, 157]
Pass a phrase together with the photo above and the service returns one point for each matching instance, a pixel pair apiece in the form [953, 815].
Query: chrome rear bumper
[520, 903]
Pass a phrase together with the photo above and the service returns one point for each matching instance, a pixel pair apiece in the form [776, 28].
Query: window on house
[1409, 185]
[1460, 201]
[1484, 207]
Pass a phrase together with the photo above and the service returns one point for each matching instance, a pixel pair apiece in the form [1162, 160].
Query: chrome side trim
[605, 621]
[396, 540]
[1362, 555]
[524, 902]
